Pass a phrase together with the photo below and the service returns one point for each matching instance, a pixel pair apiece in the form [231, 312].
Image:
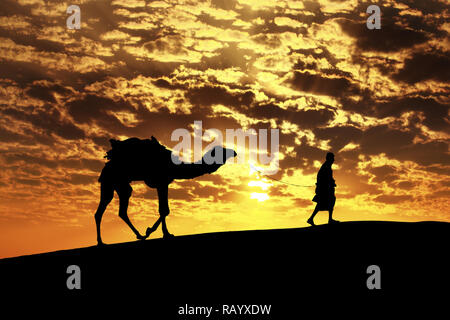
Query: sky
[377, 99]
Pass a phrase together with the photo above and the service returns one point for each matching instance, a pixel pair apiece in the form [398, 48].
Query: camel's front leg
[124, 191]
[163, 211]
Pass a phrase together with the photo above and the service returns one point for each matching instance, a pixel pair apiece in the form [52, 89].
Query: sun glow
[259, 196]
[260, 183]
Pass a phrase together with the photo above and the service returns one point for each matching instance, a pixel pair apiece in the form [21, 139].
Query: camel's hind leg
[124, 191]
[106, 195]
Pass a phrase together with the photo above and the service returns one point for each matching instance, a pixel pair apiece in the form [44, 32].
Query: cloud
[94, 109]
[305, 119]
[49, 120]
[305, 81]
[29, 182]
[405, 185]
[207, 96]
[425, 66]
[79, 179]
[384, 173]
[390, 38]
[45, 91]
[338, 136]
[302, 203]
[392, 199]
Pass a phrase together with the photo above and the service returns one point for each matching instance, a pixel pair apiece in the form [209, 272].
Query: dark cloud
[373, 140]
[207, 96]
[302, 203]
[428, 7]
[232, 197]
[130, 67]
[425, 66]
[436, 113]
[180, 194]
[48, 120]
[10, 136]
[23, 72]
[162, 83]
[79, 193]
[305, 119]
[309, 119]
[32, 171]
[214, 178]
[45, 91]
[27, 39]
[392, 199]
[314, 83]
[224, 4]
[26, 158]
[401, 146]
[41, 160]
[301, 65]
[384, 173]
[11, 7]
[213, 21]
[279, 191]
[338, 137]
[77, 179]
[161, 124]
[29, 182]
[302, 158]
[405, 185]
[390, 38]
[445, 194]
[321, 52]
[428, 153]
[212, 192]
[82, 164]
[95, 109]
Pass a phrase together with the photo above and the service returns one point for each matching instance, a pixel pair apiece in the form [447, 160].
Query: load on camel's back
[133, 148]
[149, 161]
[134, 157]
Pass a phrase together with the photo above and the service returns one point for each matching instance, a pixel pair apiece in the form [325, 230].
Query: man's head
[330, 157]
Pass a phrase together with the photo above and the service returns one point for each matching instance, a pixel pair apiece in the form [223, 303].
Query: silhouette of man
[325, 197]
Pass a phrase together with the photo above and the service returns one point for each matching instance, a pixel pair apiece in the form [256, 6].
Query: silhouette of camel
[149, 161]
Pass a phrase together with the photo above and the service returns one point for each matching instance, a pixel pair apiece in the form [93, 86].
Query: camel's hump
[135, 147]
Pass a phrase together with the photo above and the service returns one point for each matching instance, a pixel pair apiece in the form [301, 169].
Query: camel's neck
[191, 170]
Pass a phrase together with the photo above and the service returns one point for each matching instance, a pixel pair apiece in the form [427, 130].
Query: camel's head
[218, 155]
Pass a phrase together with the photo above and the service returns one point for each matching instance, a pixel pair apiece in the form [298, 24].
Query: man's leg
[330, 212]
[311, 219]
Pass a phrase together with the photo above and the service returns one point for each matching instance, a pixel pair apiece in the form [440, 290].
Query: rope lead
[287, 183]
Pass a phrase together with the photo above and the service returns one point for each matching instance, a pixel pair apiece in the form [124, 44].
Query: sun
[260, 196]
[260, 182]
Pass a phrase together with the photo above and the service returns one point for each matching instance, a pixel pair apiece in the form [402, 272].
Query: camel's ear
[155, 140]
[113, 142]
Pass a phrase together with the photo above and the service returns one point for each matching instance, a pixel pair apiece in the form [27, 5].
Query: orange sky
[378, 99]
